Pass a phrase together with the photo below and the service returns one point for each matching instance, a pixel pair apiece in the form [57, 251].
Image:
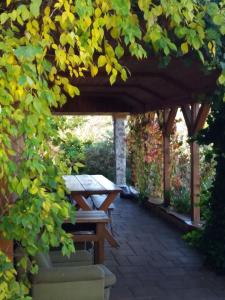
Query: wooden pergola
[181, 84]
[149, 88]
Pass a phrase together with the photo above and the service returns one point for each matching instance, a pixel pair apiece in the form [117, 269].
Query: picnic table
[83, 186]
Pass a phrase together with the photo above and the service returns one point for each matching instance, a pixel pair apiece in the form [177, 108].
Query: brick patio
[154, 263]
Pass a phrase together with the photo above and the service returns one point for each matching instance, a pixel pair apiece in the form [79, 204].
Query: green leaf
[122, 7]
[222, 79]
[5, 97]
[219, 20]
[35, 7]
[119, 51]
[124, 75]
[212, 9]
[28, 52]
[25, 14]
[4, 17]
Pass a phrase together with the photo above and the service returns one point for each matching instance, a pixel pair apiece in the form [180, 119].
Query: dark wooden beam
[170, 120]
[201, 118]
[187, 116]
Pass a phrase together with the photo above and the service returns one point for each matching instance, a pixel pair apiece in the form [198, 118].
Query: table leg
[81, 201]
[109, 199]
[99, 245]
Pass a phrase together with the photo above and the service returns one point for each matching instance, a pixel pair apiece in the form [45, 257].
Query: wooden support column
[195, 117]
[168, 121]
[195, 171]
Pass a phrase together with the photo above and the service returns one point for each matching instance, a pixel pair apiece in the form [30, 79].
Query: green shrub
[99, 159]
[73, 151]
[180, 200]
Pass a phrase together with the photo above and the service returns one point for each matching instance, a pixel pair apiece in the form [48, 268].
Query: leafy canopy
[45, 46]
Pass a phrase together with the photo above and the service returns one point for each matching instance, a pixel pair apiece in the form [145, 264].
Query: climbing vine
[145, 153]
[145, 147]
[45, 46]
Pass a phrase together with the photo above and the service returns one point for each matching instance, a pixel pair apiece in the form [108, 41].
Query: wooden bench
[98, 200]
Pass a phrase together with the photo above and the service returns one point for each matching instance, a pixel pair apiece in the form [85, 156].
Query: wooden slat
[108, 185]
[90, 184]
[72, 184]
[84, 237]
[93, 216]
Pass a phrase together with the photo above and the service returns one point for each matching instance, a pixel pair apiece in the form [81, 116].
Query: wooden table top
[93, 216]
[97, 184]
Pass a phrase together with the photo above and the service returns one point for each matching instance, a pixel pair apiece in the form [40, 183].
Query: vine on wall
[145, 146]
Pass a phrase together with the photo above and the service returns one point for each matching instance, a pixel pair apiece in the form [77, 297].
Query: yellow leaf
[108, 68]
[34, 190]
[101, 60]
[94, 70]
[8, 2]
[184, 48]
[98, 12]
[46, 206]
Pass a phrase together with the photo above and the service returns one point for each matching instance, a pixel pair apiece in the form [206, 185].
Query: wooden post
[195, 183]
[169, 116]
[195, 117]
[195, 170]
[166, 160]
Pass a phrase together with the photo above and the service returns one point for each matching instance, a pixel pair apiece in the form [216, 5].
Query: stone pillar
[120, 148]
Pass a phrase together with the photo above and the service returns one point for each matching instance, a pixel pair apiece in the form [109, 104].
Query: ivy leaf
[3, 18]
[101, 60]
[35, 7]
[212, 9]
[5, 97]
[8, 2]
[28, 52]
[219, 19]
[94, 70]
[119, 51]
[122, 7]
[184, 48]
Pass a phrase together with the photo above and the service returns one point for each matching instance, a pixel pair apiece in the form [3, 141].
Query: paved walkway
[154, 263]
